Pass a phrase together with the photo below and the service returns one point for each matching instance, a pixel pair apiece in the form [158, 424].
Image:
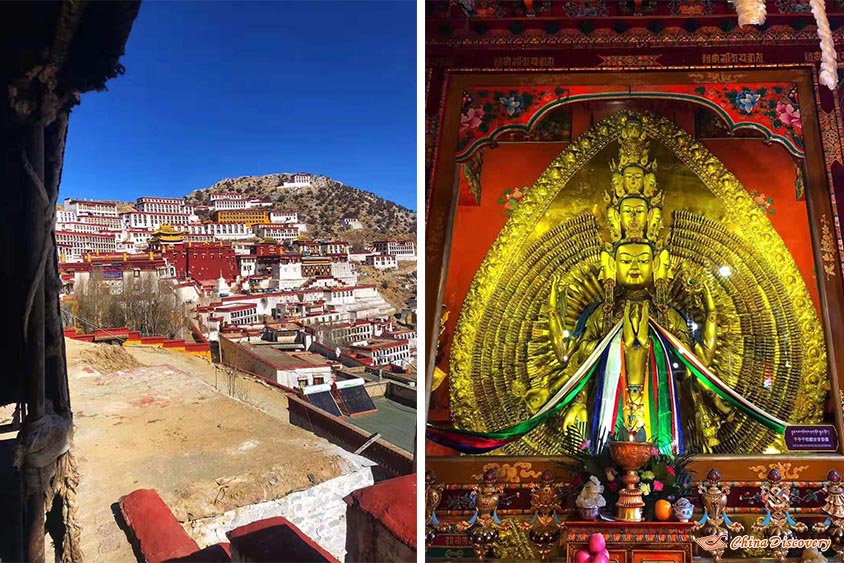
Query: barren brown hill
[322, 206]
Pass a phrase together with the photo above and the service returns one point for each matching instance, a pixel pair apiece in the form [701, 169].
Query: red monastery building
[202, 261]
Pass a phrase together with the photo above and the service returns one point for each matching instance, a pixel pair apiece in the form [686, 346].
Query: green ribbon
[663, 436]
[758, 415]
[522, 428]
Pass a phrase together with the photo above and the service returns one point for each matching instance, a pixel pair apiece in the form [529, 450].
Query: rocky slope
[322, 206]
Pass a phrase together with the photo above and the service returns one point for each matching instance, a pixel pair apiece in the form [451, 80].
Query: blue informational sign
[811, 438]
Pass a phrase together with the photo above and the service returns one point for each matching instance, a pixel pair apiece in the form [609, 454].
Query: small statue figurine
[683, 509]
[833, 526]
[715, 521]
[545, 529]
[590, 500]
[433, 496]
[484, 526]
[776, 496]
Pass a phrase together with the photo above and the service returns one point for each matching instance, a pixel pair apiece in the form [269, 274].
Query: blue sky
[215, 90]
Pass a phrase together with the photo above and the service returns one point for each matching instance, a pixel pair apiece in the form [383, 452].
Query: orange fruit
[662, 510]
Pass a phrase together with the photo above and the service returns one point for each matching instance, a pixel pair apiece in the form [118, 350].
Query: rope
[90, 324]
[65, 485]
[40, 444]
[43, 456]
[41, 190]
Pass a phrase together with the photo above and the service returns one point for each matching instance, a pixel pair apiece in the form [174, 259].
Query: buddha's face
[634, 178]
[633, 213]
[634, 265]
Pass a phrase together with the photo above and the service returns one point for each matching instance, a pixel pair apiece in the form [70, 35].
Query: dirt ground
[152, 418]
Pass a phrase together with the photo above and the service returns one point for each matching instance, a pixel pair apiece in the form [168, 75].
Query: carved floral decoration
[489, 114]
[511, 197]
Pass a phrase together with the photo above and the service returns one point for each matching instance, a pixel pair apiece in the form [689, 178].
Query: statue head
[634, 265]
[634, 179]
[633, 214]
[634, 201]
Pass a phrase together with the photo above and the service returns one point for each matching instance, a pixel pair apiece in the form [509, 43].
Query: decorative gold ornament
[715, 521]
[484, 528]
[827, 248]
[433, 496]
[509, 351]
[833, 526]
[510, 473]
[630, 456]
[440, 375]
[786, 469]
[776, 497]
[545, 529]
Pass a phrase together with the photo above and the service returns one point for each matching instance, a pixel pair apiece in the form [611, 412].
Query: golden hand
[705, 350]
[575, 414]
[535, 399]
[627, 333]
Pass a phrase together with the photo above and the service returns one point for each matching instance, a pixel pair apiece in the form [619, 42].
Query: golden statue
[635, 273]
[591, 322]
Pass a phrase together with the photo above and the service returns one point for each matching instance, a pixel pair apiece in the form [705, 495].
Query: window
[318, 380]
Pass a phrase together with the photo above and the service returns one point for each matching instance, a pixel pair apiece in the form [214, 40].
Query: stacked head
[633, 212]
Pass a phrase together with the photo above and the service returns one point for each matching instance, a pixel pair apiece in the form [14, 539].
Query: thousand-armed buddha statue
[638, 386]
[636, 333]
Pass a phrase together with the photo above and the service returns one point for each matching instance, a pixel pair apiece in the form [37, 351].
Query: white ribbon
[829, 65]
[750, 12]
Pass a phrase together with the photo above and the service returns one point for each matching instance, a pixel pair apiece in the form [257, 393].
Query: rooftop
[161, 412]
[394, 421]
[284, 360]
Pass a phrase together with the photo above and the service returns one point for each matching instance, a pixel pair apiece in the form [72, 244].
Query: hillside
[322, 205]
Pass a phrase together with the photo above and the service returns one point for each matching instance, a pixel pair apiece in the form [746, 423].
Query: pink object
[600, 558]
[597, 544]
[582, 556]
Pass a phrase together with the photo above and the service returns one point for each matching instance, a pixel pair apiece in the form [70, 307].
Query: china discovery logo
[717, 542]
[712, 543]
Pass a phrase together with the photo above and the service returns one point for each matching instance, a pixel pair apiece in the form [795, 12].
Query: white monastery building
[401, 249]
[82, 207]
[382, 261]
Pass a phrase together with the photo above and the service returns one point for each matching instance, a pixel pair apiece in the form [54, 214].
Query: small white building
[281, 232]
[81, 243]
[64, 216]
[295, 370]
[351, 223]
[149, 204]
[401, 249]
[221, 231]
[229, 203]
[284, 217]
[82, 207]
[382, 261]
[299, 181]
[383, 352]
[144, 220]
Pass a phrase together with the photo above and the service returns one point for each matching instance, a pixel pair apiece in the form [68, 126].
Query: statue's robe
[603, 365]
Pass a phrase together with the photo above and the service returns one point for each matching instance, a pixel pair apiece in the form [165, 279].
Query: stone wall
[319, 512]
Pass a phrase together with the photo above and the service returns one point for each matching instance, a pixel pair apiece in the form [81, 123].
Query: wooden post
[35, 514]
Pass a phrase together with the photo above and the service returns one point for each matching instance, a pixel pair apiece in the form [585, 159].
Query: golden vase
[630, 456]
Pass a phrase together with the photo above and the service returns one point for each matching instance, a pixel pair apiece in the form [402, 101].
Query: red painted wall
[203, 261]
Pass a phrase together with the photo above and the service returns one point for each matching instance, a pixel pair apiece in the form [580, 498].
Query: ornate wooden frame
[444, 195]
